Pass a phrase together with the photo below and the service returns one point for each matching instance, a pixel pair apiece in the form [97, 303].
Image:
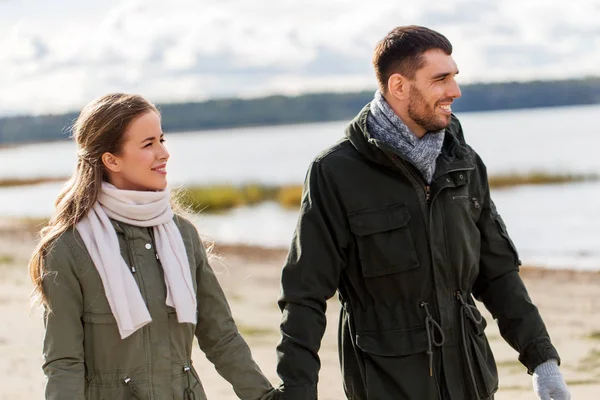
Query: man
[397, 218]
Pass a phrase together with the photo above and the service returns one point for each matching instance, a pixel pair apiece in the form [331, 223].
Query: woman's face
[141, 163]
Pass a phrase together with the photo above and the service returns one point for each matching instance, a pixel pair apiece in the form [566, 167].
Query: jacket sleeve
[309, 278]
[501, 289]
[219, 338]
[63, 338]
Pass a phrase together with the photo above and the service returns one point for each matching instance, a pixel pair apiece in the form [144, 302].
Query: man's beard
[422, 114]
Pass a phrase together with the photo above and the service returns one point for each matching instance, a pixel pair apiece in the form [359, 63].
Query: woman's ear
[111, 162]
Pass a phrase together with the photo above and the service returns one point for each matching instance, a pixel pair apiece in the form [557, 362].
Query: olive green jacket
[85, 357]
[406, 259]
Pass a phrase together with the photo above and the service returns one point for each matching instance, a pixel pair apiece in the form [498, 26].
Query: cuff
[537, 353]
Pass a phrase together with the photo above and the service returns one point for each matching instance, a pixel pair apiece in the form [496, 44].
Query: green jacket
[406, 259]
[85, 357]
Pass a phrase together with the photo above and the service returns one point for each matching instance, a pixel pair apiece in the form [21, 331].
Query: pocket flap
[380, 220]
[505, 235]
[171, 310]
[99, 318]
[393, 343]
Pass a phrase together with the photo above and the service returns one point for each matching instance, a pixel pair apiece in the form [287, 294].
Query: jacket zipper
[130, 257]
[151, 232]
[418, 181]
[428, 201]
[140, 282]
[426, 188]
[473, 200]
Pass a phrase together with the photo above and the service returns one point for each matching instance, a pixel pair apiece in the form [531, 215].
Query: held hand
[548, 382]
[273, 394]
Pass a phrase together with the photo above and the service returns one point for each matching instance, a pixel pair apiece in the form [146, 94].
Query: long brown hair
[100, 128]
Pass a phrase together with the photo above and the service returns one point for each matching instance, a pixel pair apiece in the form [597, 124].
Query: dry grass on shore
[217, 198]
[13, 182]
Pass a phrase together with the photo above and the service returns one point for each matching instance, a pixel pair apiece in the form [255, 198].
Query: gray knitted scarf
[384, 125]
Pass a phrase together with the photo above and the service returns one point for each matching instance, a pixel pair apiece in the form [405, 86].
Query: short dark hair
[401, 51]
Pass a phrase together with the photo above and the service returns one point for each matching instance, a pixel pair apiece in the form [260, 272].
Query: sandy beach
[568, 300]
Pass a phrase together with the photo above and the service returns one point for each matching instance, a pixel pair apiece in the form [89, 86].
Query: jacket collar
[456, 154]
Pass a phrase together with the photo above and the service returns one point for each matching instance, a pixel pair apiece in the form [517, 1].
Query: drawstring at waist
[431, 326]
[470, 312]
[188, 393]
[134, 392]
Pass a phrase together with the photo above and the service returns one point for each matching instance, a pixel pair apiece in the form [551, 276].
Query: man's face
[431, 93]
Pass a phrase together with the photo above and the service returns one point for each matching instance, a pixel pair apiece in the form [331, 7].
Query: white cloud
[62, 56]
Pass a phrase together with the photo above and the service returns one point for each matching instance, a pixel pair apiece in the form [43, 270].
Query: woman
[125, 282]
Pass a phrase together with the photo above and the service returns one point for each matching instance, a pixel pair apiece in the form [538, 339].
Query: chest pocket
[463, 199]
[384, 240]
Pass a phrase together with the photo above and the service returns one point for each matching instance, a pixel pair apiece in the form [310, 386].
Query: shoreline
[28, 229]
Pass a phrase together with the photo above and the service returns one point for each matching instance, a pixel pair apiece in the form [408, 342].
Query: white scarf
[145, 209]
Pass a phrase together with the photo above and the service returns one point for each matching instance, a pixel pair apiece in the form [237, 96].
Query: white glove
[548, 382]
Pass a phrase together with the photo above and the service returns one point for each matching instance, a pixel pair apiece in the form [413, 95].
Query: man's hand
[548, 382]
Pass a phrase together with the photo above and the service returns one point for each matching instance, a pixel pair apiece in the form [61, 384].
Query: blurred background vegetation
[218, 198]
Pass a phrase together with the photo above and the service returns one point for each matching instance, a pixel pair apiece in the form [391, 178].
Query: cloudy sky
[58, 55]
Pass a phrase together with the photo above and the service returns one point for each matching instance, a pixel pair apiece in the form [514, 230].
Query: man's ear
[398, 86]
[111, 162]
